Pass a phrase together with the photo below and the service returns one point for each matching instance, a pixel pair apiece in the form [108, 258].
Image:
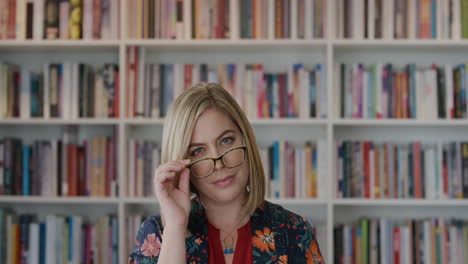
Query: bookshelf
[327, 210]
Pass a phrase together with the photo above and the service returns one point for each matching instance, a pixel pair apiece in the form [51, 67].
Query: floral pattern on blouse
[278, 237]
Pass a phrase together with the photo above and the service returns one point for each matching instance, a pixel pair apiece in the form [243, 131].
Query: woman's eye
[227, 140]
[197, 151]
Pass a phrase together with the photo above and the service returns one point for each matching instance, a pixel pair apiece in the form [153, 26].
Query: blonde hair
[180, 122]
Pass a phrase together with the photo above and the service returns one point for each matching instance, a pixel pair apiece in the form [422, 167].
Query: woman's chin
[227, 195]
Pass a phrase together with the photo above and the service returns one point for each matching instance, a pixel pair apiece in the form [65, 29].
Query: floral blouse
[278, 236]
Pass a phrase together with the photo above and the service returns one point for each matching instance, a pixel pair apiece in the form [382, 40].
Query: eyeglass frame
[220, 157]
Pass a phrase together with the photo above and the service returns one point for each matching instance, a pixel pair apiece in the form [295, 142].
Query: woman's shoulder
[147, 242]
[152, 222]
[301, 234]
[151, 225]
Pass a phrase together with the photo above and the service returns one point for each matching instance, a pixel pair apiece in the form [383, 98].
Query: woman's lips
[223, 182]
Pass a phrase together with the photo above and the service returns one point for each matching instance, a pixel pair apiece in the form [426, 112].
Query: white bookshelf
[275, 55]
[436, 43]
[59, 121]
[14, 199]
[400, 202]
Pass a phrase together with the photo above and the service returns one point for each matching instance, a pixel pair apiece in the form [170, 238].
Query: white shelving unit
[275, 55]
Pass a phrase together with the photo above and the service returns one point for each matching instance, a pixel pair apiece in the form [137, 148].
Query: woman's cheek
[202, 185]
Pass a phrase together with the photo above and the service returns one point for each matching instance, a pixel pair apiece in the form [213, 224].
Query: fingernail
[186, 161]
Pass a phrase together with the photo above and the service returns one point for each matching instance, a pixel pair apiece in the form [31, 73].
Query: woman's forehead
[211, 124]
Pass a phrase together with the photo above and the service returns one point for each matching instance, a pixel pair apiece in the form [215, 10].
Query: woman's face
[213, 135]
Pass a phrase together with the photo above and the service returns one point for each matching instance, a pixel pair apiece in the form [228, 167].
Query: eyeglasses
[203, 168]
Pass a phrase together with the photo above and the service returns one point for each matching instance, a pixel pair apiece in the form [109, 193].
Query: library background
[359, 108]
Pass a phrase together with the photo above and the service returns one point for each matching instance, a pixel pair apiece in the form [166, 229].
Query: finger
[184, 162]
[163, 177]
[162, 189]
[171, 166]
[184, 180]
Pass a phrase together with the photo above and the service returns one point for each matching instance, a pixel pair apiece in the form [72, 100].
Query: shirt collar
[197, 219]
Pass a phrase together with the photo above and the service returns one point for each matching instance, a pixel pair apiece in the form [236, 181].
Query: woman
[209, 151]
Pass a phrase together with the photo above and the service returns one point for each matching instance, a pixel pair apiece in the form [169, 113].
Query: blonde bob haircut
[180, 122]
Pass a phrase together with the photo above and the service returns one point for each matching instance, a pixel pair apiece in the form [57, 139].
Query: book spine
[106, 24]
[26, 171]
[30, 16]
[64, 18]
[76, 19]
[464, 171]
[97, 19]
[88, 17]
[51, 19]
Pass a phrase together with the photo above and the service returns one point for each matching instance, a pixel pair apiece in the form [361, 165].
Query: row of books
[143, 159]
[66, 90]
[293, 170]
[57, 239]
[367, 169]
[178, 19]
[61, 167]
[387, 241]
[386, 91]
[299, 92]
[223, 19]
[299, 19]
[59, 19]
[402, 19]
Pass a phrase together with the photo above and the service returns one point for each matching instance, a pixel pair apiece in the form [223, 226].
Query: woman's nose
[219, 164]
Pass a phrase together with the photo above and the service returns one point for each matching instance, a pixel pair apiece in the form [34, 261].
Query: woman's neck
[226, 215]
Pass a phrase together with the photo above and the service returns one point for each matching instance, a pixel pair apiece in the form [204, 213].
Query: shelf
[288, 121]
[149, 121]
[58, 121]
[254, 122]
[399, 122]
[225, 42]
[15, 199]
[210, 43]
[341, 202]
[299, 201]
[286, 201]
[58, 44]
[400, 202]
[144, 121]
[434, 43]
[165, 45]
[141, 200]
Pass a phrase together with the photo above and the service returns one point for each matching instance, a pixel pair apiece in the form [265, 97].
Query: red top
[242, 252]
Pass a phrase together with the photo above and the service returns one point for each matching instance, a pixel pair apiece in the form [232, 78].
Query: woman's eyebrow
[220, 136]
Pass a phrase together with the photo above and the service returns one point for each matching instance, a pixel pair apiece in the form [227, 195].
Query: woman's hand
[174, 200]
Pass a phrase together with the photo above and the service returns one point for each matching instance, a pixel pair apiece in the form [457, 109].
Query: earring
[248, 188]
